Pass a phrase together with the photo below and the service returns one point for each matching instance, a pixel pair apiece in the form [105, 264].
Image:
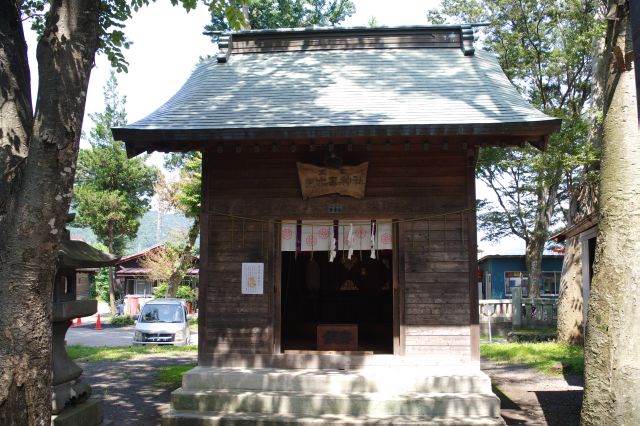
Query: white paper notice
[252, 278]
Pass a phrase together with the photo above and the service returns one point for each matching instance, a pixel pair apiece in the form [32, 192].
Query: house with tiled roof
[134, 279]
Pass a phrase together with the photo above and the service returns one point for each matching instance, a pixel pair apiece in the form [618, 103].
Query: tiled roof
[139, 254]
[404, 88]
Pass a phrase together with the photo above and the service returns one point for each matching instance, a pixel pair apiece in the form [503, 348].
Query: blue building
[499, 274]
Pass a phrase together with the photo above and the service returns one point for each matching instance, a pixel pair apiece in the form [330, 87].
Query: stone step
[352, 404]
[188, 418]
[388, 380]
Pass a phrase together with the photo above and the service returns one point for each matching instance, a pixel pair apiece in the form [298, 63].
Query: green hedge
[122, 321]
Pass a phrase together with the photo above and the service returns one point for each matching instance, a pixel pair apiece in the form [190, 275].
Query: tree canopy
[112, 192]
[545, 48]
[263, 14]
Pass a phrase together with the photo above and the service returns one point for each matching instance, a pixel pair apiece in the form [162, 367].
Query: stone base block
[89, 413]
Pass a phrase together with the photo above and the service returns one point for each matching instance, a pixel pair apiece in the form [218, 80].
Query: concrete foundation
[378, 395]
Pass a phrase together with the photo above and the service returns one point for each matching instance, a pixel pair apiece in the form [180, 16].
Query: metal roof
[349, 91]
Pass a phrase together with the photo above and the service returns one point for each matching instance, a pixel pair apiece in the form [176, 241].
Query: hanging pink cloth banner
[319, 235]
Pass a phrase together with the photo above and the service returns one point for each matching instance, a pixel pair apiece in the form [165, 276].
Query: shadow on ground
[127, 389]
[528, 397]
[561, 408]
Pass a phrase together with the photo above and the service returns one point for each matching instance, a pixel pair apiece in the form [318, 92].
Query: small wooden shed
[338, 224]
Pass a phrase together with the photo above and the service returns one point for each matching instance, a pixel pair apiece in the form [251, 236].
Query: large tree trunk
[570, 311]
[40, 196]
[184, 261]
[533, 260]
[612, 346]
[547, 194]
[16, 114]
[583, 203]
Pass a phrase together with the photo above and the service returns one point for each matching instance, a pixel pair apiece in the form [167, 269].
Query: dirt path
[528, 398]
[127, 387]
[532, 398]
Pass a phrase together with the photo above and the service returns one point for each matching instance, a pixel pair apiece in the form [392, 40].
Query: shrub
[186, 292]
[183, 292]
[160, 291]
[122, 320]
[100, 285]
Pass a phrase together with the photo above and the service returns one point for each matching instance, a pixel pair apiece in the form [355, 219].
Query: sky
[167, 43]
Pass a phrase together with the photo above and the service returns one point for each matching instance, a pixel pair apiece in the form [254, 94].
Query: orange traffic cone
[78, 322]
[98, 326]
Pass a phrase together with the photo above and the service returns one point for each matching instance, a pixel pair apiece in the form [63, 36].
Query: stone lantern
[70, 396]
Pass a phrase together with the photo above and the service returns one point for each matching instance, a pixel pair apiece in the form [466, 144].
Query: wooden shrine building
[338, 228]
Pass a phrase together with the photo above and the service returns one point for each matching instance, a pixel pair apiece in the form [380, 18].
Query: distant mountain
[170, 225]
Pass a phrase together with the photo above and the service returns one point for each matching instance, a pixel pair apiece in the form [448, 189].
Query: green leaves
[265, 14]
[545, 48]
[112, 192]
[113, 14]
[189, 187]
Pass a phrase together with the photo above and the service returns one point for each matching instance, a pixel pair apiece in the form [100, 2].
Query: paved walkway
[87, 335]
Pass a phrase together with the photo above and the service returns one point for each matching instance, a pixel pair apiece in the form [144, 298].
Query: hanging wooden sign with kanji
[346, 180]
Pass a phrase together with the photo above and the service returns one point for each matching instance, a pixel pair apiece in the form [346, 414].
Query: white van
[163, 322]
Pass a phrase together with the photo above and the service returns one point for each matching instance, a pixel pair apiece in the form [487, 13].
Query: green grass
[170, 376]
[95, 354]
[541, 356]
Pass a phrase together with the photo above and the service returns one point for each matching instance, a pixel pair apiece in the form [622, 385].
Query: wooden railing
[522, 312]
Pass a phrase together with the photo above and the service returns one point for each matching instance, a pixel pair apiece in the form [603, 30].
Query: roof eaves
[534, 132]
[585, 224]
[348, 29]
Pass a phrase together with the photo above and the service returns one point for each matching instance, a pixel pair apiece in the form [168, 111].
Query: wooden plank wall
[264, 186]
[436, 266]
[305, 41]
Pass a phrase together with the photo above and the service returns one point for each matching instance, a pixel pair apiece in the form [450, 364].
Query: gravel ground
[528, 398]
